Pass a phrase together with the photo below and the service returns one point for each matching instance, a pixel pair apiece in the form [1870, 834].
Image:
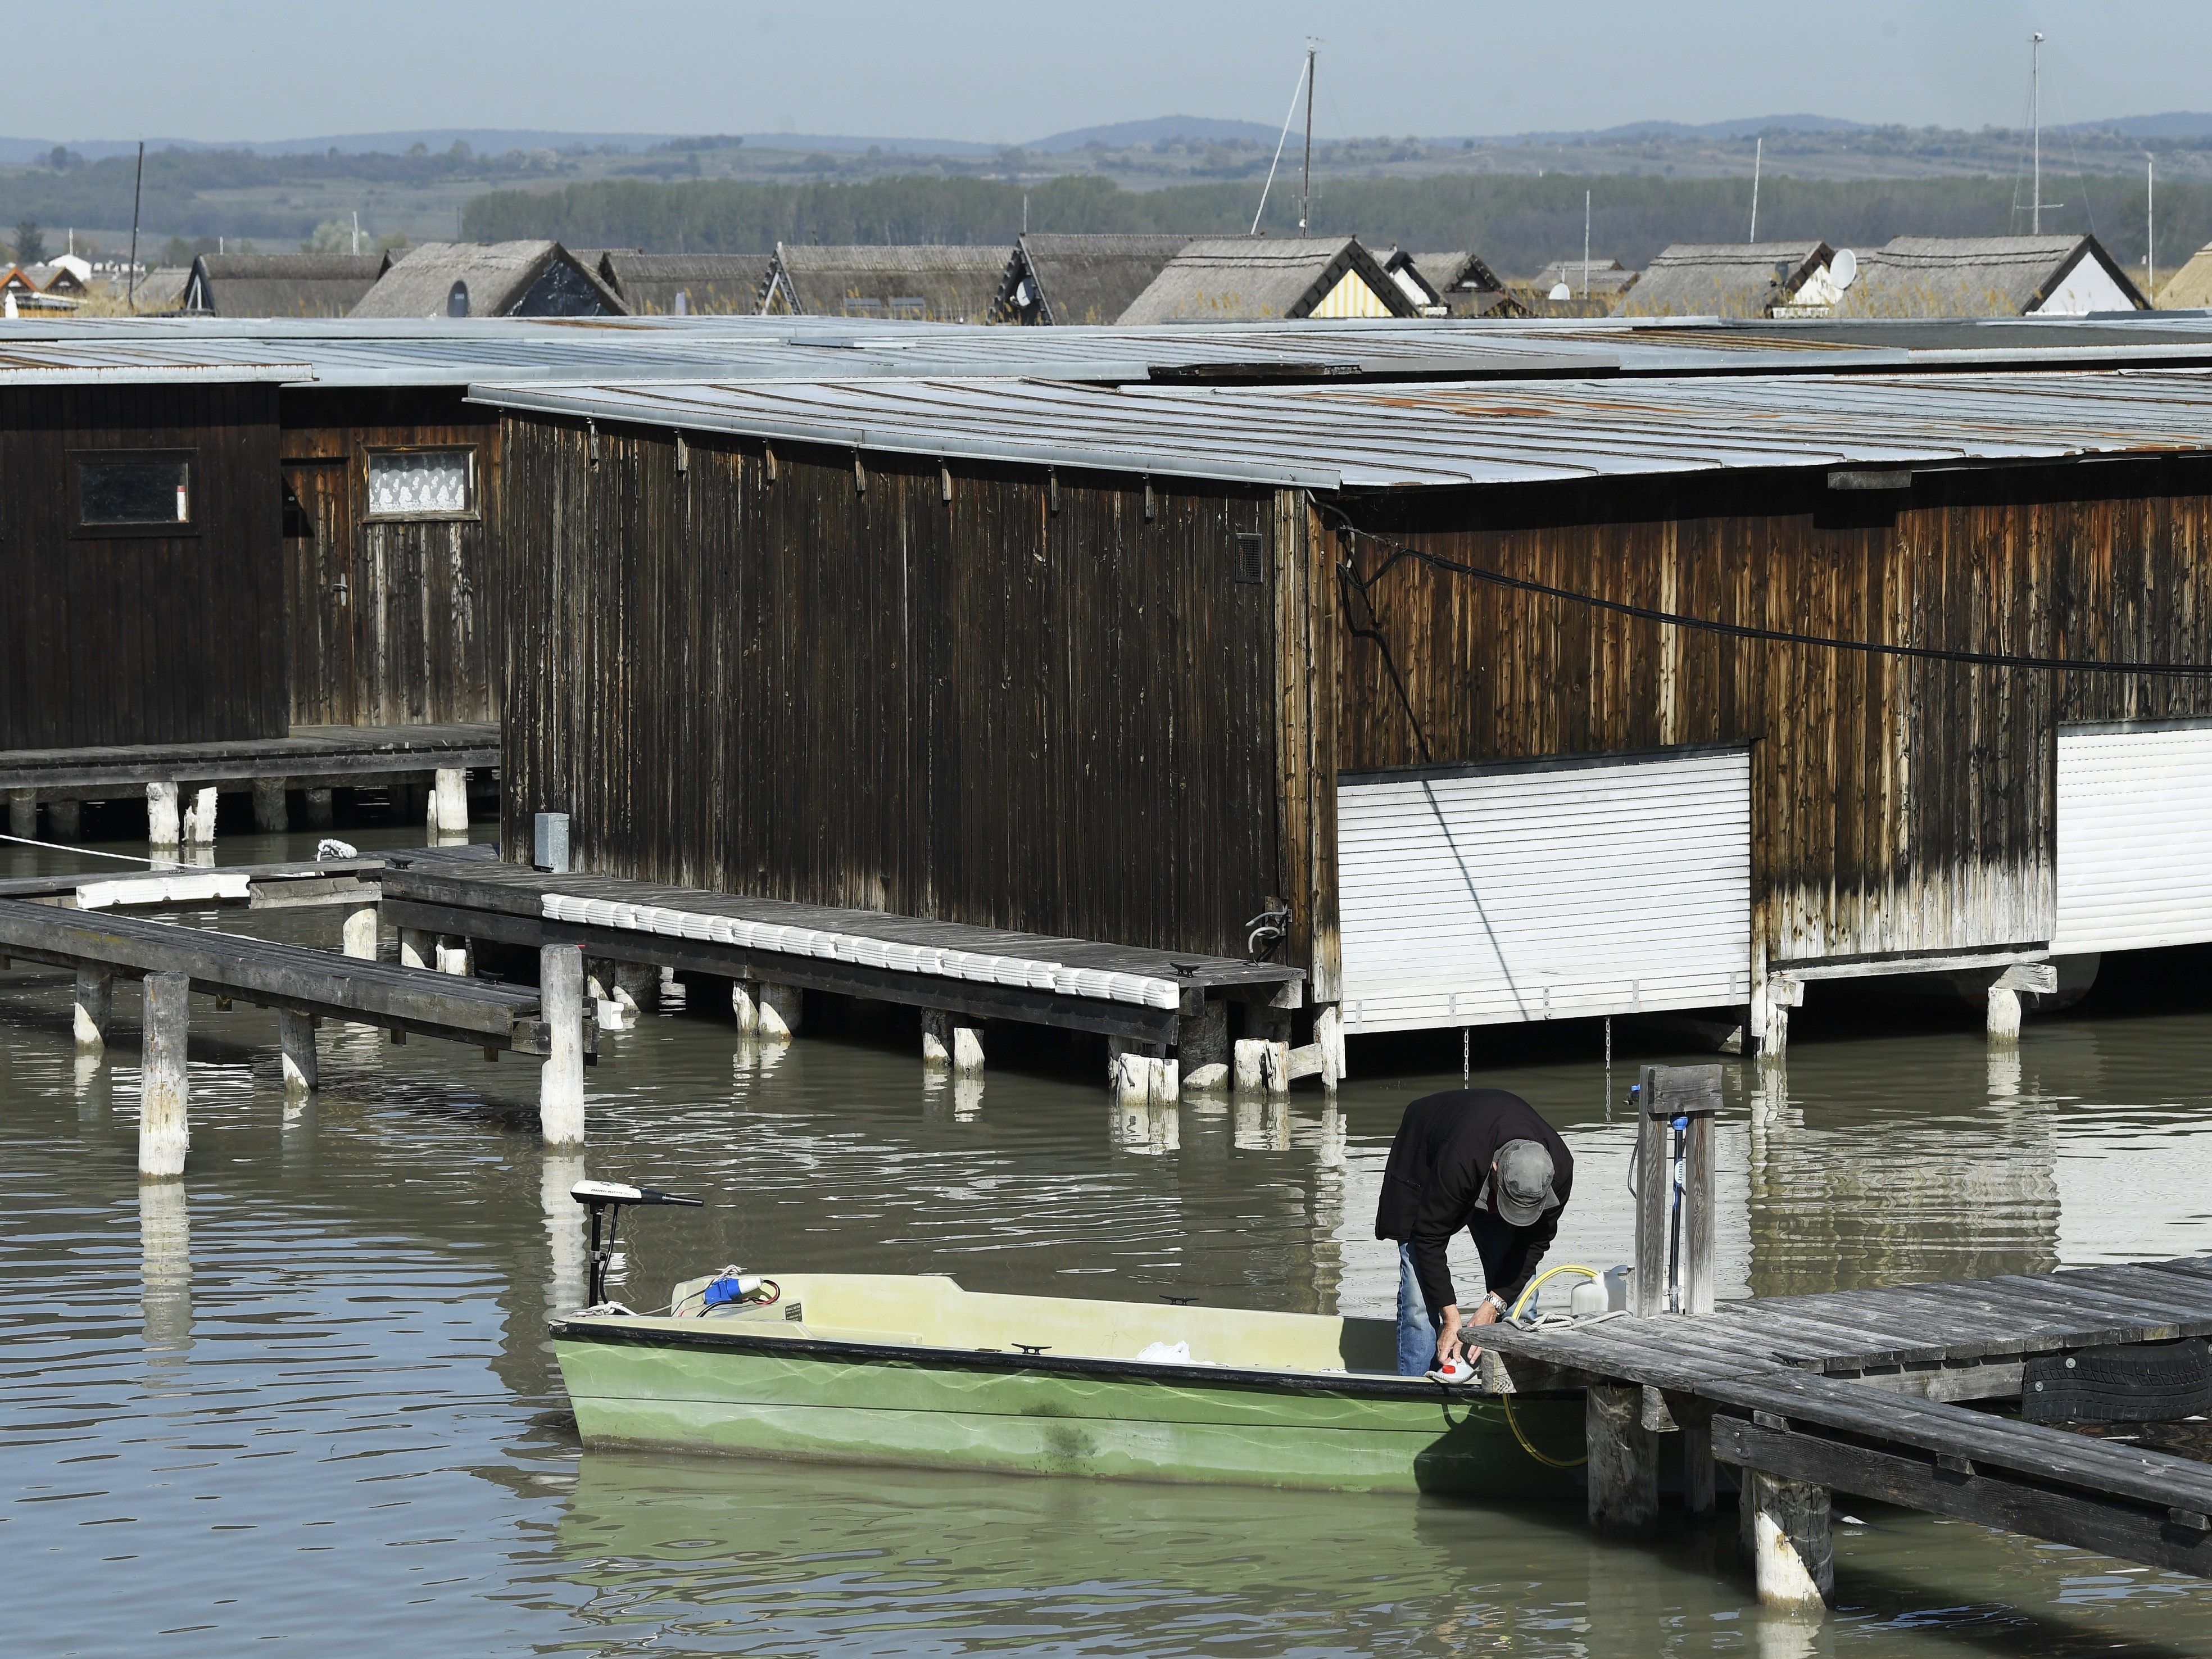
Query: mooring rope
[63, 847]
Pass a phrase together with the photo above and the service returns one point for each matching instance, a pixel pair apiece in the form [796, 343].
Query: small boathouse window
[132, 492]
[422, 483]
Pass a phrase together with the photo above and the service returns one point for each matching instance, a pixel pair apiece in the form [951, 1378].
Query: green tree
[30, 242]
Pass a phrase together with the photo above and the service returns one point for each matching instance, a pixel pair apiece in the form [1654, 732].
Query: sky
[254, 69]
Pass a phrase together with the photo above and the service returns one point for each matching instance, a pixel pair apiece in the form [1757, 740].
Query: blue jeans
[1418, 1328]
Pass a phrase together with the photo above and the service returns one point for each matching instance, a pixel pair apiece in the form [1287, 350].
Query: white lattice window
[415, 483]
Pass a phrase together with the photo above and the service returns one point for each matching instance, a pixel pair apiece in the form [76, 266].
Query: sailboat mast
[2035, 122]
[1305, 182]
[1758, 155]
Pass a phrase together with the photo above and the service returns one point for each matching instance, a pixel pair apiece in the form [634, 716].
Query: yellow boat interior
[933, 1311]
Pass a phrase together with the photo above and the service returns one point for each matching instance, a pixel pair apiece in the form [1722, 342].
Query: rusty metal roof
[1331, 437]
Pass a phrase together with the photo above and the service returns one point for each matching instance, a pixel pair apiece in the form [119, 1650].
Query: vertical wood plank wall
[842, 688]
[141, 639]
[1898, 805]
[415, 637]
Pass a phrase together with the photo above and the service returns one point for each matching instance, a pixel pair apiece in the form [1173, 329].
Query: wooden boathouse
[1500, 703]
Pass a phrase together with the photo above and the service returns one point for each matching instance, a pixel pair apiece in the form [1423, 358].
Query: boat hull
[758, 1397]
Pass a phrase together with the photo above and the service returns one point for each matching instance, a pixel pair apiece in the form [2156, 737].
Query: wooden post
[1665, 1093]
[967, 1050]
[164, 1127]
[936, 1040]
[1697, 1469]
[163, 826]
[96, 1001]
[320, 815]
[271, 815]
[23, 813]
[295, 1036]
[419, 949]
[779, 1006]
[199, 818]
[449, 803]
[560, 1080]
[357, 937]
[744, 1003]
[1202, 1046]
[1328, 1036]
[637, 986]
[1786, 1530]
[1263, 1056]
[456, 957]
[65, 820]
[1623, 1461]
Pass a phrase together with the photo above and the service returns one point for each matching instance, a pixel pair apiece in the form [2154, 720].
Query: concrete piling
[1202, 1047]
[164, 1129]
[778, 1011]
[357, 936]
[163, 827]
[295, 1036]
[95, 1002]
[199, 818]
[65, 820]
[419, 949]
[271, 813]
[949, 1045]
[446, 816]
[560, 1080]
[23, 813]
[321, 809]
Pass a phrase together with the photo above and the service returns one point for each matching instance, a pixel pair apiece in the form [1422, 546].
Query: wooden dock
[1890, 1394]
[304, 985]
[1155, 1003]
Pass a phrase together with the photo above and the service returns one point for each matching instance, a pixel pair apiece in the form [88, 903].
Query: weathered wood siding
[1897, 806]
[393, 623]
[983, 710]
[140, 638]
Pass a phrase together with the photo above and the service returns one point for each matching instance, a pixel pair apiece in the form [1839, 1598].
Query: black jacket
[1434, 1183]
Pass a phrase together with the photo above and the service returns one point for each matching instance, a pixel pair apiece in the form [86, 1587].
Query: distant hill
[2181, 124]
[1165, 129]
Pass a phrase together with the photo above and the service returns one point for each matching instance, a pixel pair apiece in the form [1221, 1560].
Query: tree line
[1517, 224]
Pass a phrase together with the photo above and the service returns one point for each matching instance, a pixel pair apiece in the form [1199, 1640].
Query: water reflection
[165, 1249]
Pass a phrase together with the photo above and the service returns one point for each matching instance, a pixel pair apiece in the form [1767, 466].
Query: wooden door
[322, 589]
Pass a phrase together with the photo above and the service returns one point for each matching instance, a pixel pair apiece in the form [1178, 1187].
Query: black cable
[1398, 551]
[1348, 578]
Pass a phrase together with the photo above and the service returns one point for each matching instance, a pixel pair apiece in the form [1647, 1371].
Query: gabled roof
[1075, 280]
[55, 278]
[1973, 275]
[913, 282]
[712, 285]
[504, 279]
[1606, 278]
[1254, 278]
[1466, 286]
[281, 285]
[1719, 279]
[2189, 289]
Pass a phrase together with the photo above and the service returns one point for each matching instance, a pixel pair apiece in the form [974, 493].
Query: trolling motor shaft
[605, 1199]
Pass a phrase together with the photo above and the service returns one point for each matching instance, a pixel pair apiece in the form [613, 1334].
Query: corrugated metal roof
[348, 352]
[1412, 436]
[105, 362]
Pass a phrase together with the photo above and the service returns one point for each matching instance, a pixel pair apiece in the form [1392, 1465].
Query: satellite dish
[1561, 291]
[1844, 269]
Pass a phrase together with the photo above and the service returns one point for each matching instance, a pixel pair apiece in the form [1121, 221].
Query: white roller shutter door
[2135, 838]
[1545, 892]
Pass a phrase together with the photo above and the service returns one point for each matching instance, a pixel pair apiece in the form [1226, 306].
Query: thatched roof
[1466, 286]
[712, 285]
[504, 279]
[2189, 289]
[1081, 279]
[1260, 278]
[1719, 279]
[914, 282]
[159, 290]
[280, 284]
[1608, 279]
[1974, 275]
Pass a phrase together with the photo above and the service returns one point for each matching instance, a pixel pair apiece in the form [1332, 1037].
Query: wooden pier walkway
[1891, 1394]
[308, 755]
[303, 985]
[1122, 992]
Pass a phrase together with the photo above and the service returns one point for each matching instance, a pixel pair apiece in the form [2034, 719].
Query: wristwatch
[1497, 1300]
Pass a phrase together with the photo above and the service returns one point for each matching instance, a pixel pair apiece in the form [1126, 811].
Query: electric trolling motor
[607, 1198]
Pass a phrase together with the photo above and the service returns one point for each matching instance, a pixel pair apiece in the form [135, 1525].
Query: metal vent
[1251, 558]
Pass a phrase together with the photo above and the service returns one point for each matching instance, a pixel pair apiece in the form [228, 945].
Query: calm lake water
[303, 1399]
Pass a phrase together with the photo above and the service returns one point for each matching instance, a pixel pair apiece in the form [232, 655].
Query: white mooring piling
[200, 818]
[358, 935]
[447, 815]
[778, 1011]
[164, 1129]
[163, 827]
[1786, 1530]
[560, 1079]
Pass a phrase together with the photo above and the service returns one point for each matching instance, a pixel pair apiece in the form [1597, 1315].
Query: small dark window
[298, 526]
[1251, 558]
[142, 492]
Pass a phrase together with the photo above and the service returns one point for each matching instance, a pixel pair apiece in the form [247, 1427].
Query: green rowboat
[916, 1370]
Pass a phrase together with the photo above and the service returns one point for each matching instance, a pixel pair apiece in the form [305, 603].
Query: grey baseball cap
[1521, 1191]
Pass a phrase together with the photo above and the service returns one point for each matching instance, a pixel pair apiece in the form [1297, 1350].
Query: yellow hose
[1511, 1421]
